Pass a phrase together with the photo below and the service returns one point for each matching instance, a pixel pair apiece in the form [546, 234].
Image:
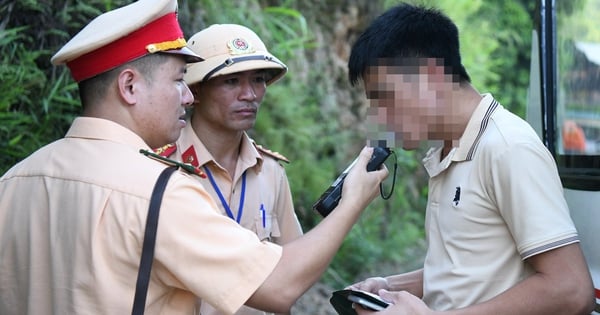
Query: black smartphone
[367, 300]
[342, 301]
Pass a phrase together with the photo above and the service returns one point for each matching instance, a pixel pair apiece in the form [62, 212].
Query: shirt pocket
[266, 225]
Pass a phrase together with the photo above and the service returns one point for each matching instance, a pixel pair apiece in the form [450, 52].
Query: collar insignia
[189, 156]
[167, 150]
[185, 166]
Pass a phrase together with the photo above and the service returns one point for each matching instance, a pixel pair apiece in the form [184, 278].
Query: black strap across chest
[141, 288]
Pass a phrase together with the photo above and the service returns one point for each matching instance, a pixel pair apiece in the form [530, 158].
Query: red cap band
[128, 48]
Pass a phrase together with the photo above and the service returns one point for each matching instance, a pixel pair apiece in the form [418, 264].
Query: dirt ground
[315, 302]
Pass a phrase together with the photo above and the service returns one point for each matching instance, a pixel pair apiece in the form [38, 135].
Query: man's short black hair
[407, 31]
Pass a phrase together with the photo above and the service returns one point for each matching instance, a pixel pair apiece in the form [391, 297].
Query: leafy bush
[32, 108]
[37, 101]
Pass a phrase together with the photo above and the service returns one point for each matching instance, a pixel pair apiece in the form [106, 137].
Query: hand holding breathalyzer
[331, 197]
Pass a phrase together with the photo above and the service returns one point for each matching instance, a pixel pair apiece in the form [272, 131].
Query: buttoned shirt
[72, 218]
[265, 200]
[494, 201]
[258, 194]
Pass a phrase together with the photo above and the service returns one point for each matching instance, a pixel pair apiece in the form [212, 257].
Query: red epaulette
[167, 150]
[276, 155]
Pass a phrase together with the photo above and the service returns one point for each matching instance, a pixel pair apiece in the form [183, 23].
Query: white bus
[564, 108]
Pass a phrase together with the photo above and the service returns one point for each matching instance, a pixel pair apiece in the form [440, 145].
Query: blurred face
[410, 101]
[229, 102]
[165, 96]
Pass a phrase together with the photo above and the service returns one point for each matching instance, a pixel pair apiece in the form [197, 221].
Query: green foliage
[509, 61]
[25, 99]
[577, 24]
[37, 101]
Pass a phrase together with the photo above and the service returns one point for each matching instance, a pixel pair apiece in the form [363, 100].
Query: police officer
[72, 215]
[247, 180]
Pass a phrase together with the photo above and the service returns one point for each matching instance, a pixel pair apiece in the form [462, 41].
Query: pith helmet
[230, 48]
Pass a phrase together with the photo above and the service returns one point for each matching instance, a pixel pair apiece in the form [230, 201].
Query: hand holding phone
[342, 301]
[367, 300]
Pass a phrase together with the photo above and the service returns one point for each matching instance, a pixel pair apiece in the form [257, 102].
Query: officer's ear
[128, 81]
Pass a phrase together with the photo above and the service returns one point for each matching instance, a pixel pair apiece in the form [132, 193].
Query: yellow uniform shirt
[266, 203]
[72, 218]
[263, 204]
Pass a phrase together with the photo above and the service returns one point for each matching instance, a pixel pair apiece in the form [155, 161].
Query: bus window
[577, 96]
[578, 102]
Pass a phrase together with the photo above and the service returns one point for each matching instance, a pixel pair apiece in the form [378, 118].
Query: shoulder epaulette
[185, 166]
[276, 155]
[167, 150]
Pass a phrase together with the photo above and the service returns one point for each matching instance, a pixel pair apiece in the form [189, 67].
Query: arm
[305, 259]
[410, 281]
[289, 225]
[561, 285]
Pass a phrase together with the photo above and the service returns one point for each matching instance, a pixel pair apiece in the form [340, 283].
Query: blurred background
[313, 116]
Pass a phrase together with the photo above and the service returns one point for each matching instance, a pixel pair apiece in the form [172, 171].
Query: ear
[127, 85]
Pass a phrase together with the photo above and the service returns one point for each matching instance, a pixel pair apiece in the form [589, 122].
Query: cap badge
[239, 46]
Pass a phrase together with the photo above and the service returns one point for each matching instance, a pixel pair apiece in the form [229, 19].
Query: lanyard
[223, 201]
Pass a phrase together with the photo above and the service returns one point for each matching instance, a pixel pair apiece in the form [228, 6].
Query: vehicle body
[564, 108]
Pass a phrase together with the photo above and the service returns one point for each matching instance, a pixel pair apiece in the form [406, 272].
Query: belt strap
[141, 287]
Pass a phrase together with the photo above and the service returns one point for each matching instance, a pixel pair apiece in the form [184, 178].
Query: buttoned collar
[195, 152]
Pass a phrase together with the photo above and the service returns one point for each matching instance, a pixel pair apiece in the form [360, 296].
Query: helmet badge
[239, 46]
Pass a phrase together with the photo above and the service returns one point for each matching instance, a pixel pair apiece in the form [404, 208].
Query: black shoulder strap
[141, 287]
